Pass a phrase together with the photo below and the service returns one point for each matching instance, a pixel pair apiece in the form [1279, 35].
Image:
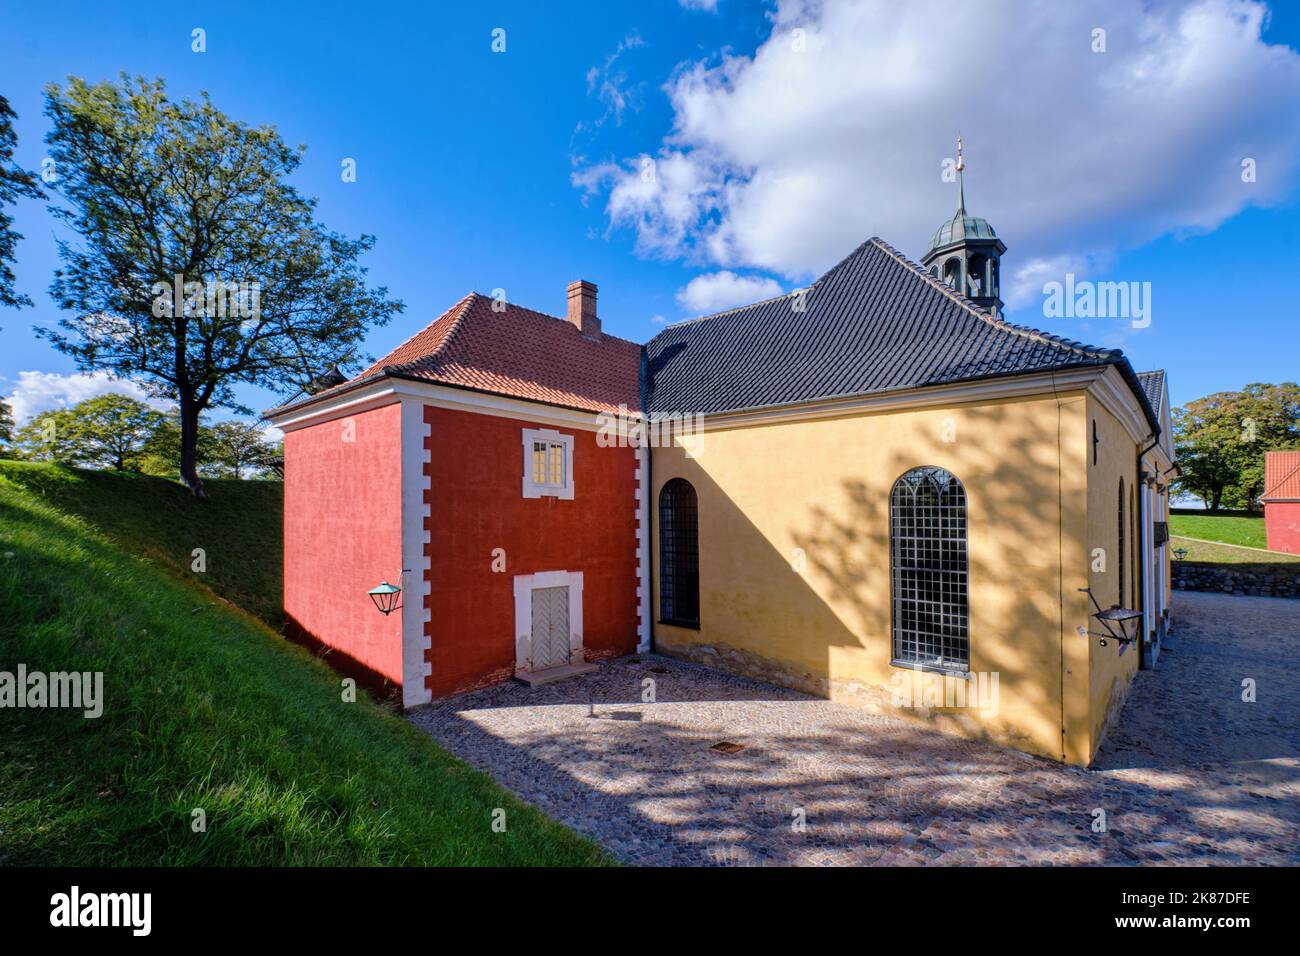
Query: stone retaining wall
[1237, 579]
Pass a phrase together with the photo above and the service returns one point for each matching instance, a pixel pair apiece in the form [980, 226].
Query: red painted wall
[475, 468]
[1282, 525]
[342, 535]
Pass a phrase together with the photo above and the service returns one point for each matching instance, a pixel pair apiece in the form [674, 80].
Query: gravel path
[1192, 774]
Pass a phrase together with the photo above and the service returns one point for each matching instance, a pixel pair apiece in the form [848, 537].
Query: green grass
[207, 708]
[1247, 532]
[239, 527]
[1211, 553]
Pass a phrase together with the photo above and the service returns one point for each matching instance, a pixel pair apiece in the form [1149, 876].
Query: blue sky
[522, 170]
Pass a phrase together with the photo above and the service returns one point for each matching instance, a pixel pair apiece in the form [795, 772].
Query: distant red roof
[1281, 475]
[515, 352]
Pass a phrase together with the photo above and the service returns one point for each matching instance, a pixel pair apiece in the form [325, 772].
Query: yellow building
[897, 500]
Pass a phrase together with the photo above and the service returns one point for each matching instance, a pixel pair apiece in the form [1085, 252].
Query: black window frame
[679, 554]
[929, 572]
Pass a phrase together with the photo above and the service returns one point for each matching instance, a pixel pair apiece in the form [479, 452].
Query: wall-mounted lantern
[1115, 615]
[1180, 553]
[385, 596]
[1121, 617]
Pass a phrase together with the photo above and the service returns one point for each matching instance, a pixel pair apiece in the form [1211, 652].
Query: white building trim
[386, 391]
[1107, 384]
[415, 560]
[532, 489]
[1149, 552]
[525, 584]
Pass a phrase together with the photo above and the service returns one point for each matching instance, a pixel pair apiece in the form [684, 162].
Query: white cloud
[38, 392]
[609, 83]
[709, 5]
[1024, 283]
[715, 291]
[785, 160]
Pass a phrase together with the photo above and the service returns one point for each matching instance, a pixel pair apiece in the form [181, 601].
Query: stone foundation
[1263, 581]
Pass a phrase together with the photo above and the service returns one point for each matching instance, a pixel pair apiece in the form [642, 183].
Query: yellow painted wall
[1110, 673]
[773, 492]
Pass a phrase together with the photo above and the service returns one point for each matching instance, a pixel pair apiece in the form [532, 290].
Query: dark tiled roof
[515, 352]
[876, 322]
[1153, 383]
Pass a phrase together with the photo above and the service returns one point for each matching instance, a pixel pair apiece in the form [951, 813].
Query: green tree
[108, 431]
[200, 266]
[1220, 441]
[6, 422]
[45, 437]
[111, 431]
[238, 447]
[161, 455]
[14, 182]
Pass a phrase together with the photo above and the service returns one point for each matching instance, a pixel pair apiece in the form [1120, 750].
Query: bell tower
[965, 252]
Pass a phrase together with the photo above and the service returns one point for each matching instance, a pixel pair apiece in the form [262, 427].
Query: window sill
[933, 669]
[690, 625]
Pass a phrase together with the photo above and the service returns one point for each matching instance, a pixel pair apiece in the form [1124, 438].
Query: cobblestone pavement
[1190, 775]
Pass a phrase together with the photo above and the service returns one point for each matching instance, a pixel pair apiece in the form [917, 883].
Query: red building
[1282, 500]
[465, 467]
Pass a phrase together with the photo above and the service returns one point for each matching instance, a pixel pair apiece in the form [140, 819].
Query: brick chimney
[582, 308]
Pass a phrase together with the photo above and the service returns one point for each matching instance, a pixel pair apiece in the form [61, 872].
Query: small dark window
[927, 525]
[679, 555]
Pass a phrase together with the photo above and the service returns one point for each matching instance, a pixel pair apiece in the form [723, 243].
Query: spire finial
[961, 182]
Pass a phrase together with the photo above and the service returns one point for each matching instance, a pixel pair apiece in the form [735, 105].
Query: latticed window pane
[927, 513]
[679, 554]
[539, 463]
[557, 465]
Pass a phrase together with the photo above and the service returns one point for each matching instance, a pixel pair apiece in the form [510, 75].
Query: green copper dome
[959, 227]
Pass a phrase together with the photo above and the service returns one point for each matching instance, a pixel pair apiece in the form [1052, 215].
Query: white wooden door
[550, 627]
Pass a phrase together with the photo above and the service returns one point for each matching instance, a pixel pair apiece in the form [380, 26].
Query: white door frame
[525, 584]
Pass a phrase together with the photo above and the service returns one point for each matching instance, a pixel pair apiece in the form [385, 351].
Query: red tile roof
[1281, 475]
[514, 352]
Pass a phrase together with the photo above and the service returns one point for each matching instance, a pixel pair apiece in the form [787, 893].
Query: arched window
[927, 530]
[952, 273]
[977, 276]
[1121, 542]
[679, 555]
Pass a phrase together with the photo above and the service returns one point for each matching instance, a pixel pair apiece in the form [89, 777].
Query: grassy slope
[207, 708]
[1211, 553]
[238, 527]
[1248, 532]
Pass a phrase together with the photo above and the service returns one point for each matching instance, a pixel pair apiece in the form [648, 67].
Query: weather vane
[961, 179]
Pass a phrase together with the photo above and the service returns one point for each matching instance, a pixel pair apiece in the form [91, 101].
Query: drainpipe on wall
[650, 506]
[651, 512]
